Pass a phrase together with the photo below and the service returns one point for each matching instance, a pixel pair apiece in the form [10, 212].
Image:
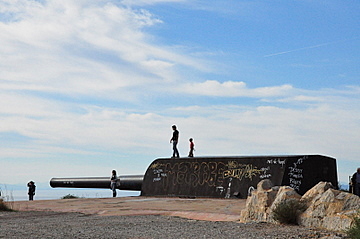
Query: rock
[316, 191]
[261, 202]
[327, 208]
[332, 210]
[264, 185]
[258, 203]
[284, 193]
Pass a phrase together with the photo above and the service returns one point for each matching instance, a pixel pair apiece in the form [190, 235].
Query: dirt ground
[142, 217]
[198, 209]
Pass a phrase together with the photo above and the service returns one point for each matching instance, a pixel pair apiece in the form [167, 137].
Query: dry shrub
[354, 231]
[69, 196]
[4, 206]
[6, 201]
[287, 211]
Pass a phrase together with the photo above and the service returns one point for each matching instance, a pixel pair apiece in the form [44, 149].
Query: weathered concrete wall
[224, 177]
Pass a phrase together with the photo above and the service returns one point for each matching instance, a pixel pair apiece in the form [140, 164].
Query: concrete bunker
[218, 177]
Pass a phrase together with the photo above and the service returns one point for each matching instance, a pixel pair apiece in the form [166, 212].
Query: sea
[16, 192]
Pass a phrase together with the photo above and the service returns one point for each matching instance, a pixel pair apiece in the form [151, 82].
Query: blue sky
[89, 86]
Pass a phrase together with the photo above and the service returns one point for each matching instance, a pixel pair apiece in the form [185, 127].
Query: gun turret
[218, 177]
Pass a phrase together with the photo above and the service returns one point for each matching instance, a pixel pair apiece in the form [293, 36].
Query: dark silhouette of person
[192, 145]
[114, 182]
[174, 140]
[31, 191]
[355, 180]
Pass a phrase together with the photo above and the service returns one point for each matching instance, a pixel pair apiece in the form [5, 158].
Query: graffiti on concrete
[205, 173]
[296, 173]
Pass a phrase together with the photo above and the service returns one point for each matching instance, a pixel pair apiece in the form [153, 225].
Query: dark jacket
[32, 188]
[175, 136]
[353, 179]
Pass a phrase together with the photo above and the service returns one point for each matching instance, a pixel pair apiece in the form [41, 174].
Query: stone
[284, 193]
[316, 191]
[258, 203]
[264, 185]
[327, 208]
[332, 210]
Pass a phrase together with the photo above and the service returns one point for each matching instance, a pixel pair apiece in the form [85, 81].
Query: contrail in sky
[308, 47]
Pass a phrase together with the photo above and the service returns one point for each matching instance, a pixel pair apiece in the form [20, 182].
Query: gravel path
[75, 225]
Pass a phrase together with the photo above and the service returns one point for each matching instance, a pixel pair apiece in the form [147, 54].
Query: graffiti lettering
[159, 174]
[295, 170]
[295, 174]
[246, 171]
[262, 176]
[276, 161]
[212, 174]
[264, 173]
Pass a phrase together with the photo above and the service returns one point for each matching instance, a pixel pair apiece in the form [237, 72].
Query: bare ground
[140, 217]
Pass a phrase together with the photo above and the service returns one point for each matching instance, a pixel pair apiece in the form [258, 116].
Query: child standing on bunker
[192, 145]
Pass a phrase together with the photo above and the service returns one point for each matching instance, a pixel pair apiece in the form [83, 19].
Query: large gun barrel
[128, 182]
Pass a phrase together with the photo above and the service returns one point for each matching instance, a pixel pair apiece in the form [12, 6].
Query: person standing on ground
[192, 145]
[174, 140]
[355, 180]
[31, 191]
[114, 182]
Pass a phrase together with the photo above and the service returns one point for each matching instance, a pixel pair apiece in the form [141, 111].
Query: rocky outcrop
[316, 191]
[326, 207]
[257, 209]
[333, 210]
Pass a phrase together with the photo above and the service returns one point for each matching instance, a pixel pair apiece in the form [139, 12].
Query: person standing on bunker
[192, 145]
[174, 140]
[114, 182]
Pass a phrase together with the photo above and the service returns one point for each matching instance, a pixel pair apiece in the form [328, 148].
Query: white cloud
[148, 2]
[82, 47]
[81, 133]
[302, 98]
[234, 89]
[274, 130]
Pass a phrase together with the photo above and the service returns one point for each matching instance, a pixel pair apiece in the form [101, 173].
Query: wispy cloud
[77, 47]
[148, 2]
[84, 133]
[309, 47]
[233, 89]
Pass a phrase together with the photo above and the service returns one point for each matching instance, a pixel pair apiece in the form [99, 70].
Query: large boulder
[333, 210]
[284, 193]
[316, 191]
[327, 208]
[260, 203]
